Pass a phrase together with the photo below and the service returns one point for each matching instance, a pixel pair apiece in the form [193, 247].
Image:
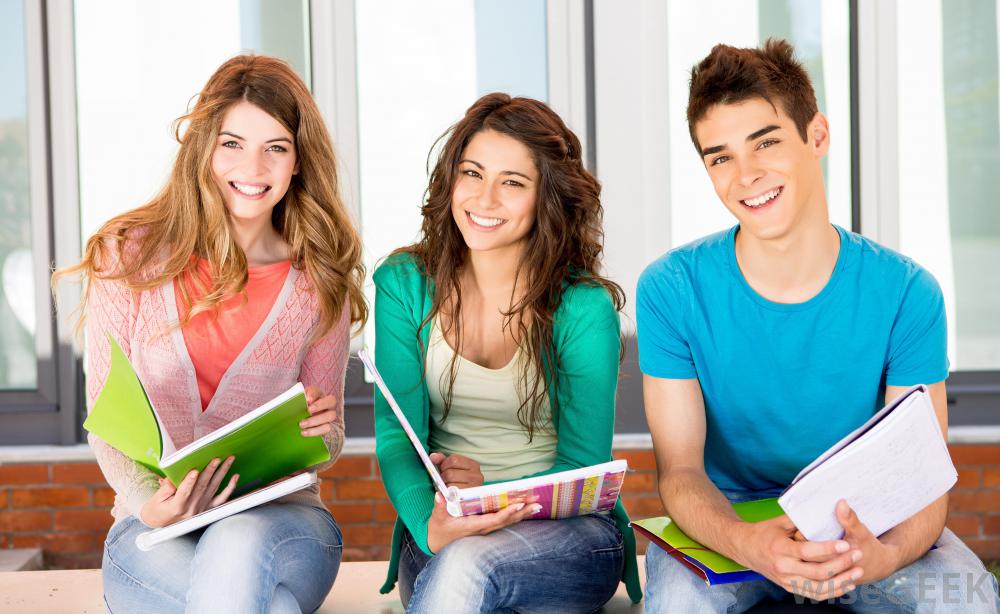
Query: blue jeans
[279, 557]
[948, 579]
[571, 565]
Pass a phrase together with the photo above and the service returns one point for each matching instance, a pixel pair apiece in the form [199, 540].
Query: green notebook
[267, 442]
[710, 565]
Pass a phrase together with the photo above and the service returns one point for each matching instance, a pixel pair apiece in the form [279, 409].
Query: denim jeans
[948, 579]
[279, 557]
[570, 565]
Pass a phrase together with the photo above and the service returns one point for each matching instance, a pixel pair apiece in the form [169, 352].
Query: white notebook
[894, 465]
[147, 540]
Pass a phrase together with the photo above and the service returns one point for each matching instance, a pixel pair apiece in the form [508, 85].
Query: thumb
[436, 457]
[166, 489]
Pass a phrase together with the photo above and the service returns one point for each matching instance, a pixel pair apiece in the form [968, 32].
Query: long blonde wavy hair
[188, 219]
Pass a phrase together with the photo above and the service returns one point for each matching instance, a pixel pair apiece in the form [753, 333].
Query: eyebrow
[754, 135]
[482, 168]
[236, 136]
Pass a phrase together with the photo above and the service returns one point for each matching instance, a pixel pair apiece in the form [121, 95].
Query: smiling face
[761, 169]
[253, 162]
[493, 200]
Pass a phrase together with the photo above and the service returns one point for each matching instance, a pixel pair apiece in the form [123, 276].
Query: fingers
[819, 551]
[213, 485]
[313, 393]
[185, 488]
[197, 497]
[821, 590]
[227, 492]
[461, 478]
[437, 457]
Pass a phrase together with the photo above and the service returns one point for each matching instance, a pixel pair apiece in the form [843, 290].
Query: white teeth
[486, 221]
[763, 198]
[249, 190]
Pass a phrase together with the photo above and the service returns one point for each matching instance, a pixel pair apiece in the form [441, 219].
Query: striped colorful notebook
[561, 495]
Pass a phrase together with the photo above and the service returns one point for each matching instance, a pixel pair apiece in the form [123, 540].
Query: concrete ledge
[81, 592]
[21, 559]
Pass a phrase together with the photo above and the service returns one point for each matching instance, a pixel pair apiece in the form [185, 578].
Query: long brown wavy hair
[188, 219]
[563, 247]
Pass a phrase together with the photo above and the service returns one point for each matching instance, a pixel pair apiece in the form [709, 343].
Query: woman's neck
[260, 242]
[490, 272]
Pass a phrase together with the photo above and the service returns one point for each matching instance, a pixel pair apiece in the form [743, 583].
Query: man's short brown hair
[730, 75]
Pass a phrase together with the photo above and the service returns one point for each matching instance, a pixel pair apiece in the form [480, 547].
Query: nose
[749, 171]
[487, 196]
[256, 163]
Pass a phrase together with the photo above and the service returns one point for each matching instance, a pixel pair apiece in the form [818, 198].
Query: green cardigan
[586, 337]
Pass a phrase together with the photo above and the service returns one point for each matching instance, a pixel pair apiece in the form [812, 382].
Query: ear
[818, 135]
[295, 171]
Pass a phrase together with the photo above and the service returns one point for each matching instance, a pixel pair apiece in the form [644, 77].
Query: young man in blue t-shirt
[763, 345]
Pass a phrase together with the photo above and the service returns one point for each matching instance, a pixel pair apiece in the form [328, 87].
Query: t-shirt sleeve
[663, 349]
[918, 343]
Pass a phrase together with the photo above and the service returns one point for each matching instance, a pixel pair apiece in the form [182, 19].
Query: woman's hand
[443, 528]
[323, 412]
[195, 494]
[457, 470]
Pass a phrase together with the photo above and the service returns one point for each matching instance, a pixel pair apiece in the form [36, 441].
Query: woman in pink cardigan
[240, 278]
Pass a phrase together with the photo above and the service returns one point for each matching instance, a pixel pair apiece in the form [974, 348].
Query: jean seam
[138, 582]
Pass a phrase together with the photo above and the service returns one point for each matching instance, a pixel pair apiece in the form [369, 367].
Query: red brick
[24, 474]
[385, 512]
[639, 483]
[347, 490]
[61, 542]
[350, 467]
[991, 477]
[974, 454]
[77, 473]
[964, 525]
[3, 499]
[643, 507]
[367, 535]
[352, 513]
[985, 548]
[969, 477]
[76, 520]
[25, 521]
[51, 497]
[991, 525]
[326, 490]
[104, 497]
[974, 501]
[639, 460]
[357, 553]
[3, 541]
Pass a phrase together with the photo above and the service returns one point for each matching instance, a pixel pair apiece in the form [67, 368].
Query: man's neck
[792, 268]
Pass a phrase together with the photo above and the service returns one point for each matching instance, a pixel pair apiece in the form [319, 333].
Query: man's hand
[817, 570]
[443, 528]
[457, 470]
[195, 494]
[323, 412]
[881, 560]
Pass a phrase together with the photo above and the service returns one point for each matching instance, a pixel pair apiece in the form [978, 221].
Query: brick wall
[64, 508]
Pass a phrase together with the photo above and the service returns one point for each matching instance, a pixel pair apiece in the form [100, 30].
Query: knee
[467, 558]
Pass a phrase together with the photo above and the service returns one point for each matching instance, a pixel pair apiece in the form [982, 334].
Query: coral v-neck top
[215, 340]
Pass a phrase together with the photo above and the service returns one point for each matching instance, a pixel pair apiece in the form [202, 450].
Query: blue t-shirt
[783, 382]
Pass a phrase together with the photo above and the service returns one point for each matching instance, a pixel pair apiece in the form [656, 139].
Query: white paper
[145, 541]
[892, 467]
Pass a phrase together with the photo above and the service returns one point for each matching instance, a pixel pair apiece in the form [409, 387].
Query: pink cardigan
[276, 357]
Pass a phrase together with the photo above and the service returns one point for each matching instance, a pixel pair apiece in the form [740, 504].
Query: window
[949, 149]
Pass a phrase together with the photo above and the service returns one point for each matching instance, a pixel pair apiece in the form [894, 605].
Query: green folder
[710, 565]
[267, 442]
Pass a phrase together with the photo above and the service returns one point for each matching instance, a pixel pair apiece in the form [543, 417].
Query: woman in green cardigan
[500, 340]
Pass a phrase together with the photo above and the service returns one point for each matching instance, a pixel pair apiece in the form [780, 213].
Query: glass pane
[949, 150]
[18, 362]
[138, 66]
[820, 32]
[420, 65]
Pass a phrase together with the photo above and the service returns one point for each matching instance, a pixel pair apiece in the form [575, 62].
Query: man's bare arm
[675, 412]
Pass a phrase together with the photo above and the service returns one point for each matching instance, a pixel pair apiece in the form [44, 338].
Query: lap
[292, 544]
[526, 565]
